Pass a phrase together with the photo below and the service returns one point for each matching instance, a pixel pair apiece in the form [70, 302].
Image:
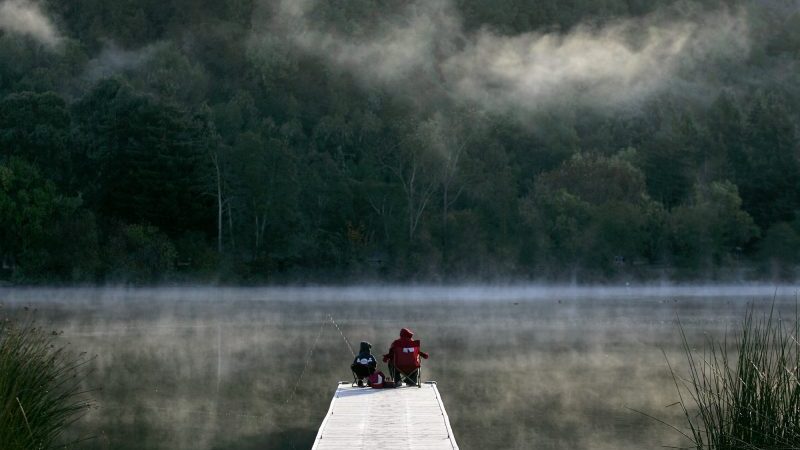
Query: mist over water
[414, 140]
[239, 368]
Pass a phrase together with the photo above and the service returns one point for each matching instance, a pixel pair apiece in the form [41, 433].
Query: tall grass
[40, 387]
[745, 396]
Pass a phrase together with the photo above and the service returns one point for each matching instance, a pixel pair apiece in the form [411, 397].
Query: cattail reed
[747, 395]
[40, 387]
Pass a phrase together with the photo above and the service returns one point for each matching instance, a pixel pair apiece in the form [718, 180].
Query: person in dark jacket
[397, 346]
[364, 365]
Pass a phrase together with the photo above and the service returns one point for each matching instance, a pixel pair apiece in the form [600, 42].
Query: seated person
[364, 365]
[397, 346]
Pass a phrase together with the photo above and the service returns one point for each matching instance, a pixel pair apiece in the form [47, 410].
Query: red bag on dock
[378, 381]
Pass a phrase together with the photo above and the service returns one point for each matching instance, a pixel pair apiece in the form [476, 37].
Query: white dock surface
[387, 419]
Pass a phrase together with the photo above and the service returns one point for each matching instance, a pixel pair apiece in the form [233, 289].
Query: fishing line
[257, 417]
[305, 366]
[343, 336]
[308, 360]
[300, 378]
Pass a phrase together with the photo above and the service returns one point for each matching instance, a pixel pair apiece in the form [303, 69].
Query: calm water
[551, 368]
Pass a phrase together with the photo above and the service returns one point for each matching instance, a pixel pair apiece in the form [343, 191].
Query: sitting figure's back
[364, 365]
[402, 349]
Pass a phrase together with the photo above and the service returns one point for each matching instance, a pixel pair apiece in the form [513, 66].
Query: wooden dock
[388, 419]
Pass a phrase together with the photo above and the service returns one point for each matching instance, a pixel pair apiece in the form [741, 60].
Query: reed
[747, 395]
[40, 387]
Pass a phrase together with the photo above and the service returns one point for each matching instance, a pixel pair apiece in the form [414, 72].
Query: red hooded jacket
[398, 344]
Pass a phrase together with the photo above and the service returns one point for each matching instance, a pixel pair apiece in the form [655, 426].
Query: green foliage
[205, 126]
[669, 161]
[173, 76]
[44, 233]
[40, 387]
[140, 254]
[713, 229]
[564, 216]
[597, 180]
[144, 159]
[780, 250]
[596, 214]
[36, 127]
[196, 259]
[768, 171]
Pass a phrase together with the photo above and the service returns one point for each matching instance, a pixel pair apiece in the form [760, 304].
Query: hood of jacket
[365, 348]
[406, 333]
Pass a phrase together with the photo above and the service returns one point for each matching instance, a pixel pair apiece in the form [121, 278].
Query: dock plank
[390, 419]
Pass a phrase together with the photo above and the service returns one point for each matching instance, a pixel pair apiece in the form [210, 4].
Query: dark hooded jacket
[365, 357]
[405, 340]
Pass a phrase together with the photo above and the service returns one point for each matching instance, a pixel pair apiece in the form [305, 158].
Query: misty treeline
[246, 140]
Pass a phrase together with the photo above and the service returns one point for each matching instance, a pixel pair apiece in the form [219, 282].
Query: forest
[274, 141]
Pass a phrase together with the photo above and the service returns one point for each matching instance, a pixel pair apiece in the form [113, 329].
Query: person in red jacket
[397, 346]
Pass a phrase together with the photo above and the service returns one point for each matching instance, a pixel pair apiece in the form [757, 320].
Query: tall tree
[768, 170]
[36, 127]
[146, 159]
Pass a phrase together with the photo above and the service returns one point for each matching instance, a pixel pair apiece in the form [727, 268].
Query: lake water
[518, 367]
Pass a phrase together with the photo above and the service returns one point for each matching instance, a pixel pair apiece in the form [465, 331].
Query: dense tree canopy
[255, 140]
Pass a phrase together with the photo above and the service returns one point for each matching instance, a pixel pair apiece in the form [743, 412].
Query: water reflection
[517, 368]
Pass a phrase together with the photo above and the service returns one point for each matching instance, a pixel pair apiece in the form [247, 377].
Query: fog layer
[256, 368]
[27, 18]
[619, 62]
